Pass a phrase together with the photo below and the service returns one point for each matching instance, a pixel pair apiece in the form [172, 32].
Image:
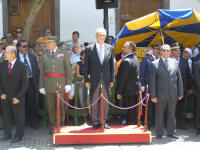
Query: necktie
[9, 68]
[52, 53]
[167, 64]
[28, 67]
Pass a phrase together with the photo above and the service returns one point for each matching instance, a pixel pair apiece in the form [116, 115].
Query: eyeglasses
[18, 31]
[25, 46]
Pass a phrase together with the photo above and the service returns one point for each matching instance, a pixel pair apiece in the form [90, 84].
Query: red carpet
[86, 135]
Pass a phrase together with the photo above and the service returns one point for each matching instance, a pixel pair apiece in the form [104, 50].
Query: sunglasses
[18, 31]
[25, 46]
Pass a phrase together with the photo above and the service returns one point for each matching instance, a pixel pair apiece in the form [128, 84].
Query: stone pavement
[41, 140]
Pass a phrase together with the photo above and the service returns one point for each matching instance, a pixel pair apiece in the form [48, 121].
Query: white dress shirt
[100, 51]
[27, 58]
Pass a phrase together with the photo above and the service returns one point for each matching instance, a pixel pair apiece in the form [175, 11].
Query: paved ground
[41, 140]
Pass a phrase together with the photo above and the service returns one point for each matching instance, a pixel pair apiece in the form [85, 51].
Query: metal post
[105, 22]
[102, 117]
[146, 109]
[58, 112]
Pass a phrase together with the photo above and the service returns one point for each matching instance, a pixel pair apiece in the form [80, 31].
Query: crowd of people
[37, 71]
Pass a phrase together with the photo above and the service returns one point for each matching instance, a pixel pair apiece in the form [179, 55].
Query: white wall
[183, 4]
[1, 20]
[82, 15]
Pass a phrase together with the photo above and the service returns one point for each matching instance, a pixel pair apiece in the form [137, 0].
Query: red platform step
[86, 135]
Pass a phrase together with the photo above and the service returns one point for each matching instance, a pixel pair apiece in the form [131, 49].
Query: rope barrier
[122, 108]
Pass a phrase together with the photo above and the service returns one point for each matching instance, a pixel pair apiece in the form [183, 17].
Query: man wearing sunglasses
[33, 82]
[165, 88]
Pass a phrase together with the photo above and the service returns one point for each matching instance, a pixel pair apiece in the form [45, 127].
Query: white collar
[98, 45]
[13, 62]
[165, 59]
[54, 50]
[128, 55]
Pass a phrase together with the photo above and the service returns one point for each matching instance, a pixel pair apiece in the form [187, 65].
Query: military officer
[2, 57]
[55, 73]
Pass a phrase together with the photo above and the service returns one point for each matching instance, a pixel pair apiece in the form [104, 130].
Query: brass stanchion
[146, 109]
[102, 118]
[58, 109]
[139, 108]
[67, 101]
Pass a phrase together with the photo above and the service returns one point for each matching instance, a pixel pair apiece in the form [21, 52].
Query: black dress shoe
[16, 139]
[159, 136]
[95, 126]
[106, 126]
[198, 132]
[174, 136]
[5, 138]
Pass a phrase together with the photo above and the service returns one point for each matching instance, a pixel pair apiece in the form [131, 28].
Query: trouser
[30, 103]
[160, 108]
[197, 112]
[16, 110]
[96, 109]
[180, 110]
[131, 117]
[1, 115]
[81, 95]
[52, 108]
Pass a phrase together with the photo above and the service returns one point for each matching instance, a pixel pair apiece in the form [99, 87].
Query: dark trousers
[96, 109]
[151, 112]
[131, 117]
[1, 115]
[18, 112]
[160, 108]
[197, 112]
[30, 103]
[52, 108]
[180, 110]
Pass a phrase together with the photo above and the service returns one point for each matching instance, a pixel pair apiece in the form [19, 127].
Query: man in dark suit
[128, 80]
[99, 65]
[187, 84]
[145, 75]
[13, 85]
[33, 82]
[165, 88]
[2, 57]
[196, 71]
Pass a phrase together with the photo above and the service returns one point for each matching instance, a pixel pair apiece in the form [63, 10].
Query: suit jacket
[196, 71]
[165, 84]
[60, 64]
[34, 67]
[185, 74]
[145, 69]
[15, 84]
[128, 76]
[95, 69]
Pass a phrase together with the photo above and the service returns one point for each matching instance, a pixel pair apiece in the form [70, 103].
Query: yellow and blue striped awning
[181, 26]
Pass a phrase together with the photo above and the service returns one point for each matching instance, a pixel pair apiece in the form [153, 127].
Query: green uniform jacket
[60, 64]
[2, 58]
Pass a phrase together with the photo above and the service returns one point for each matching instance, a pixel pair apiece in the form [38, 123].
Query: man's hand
[68, 88]
[15, 100]
[82, 81]
[111, 84]
[142, 88]
[189, 91]
[42, 91]
[119, 96]
[87, 84]
[180, 98]
[3, 96]
[154, 100]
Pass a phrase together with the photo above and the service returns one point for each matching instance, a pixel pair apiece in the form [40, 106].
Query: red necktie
[9, 68]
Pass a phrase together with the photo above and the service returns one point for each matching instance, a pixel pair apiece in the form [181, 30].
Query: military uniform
[2, 57]
[55, 72]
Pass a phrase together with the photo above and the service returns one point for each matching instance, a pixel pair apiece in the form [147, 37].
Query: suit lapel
[15, 67]
[96, 54]
[163, 64]
[31, 61]
[105, 53]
